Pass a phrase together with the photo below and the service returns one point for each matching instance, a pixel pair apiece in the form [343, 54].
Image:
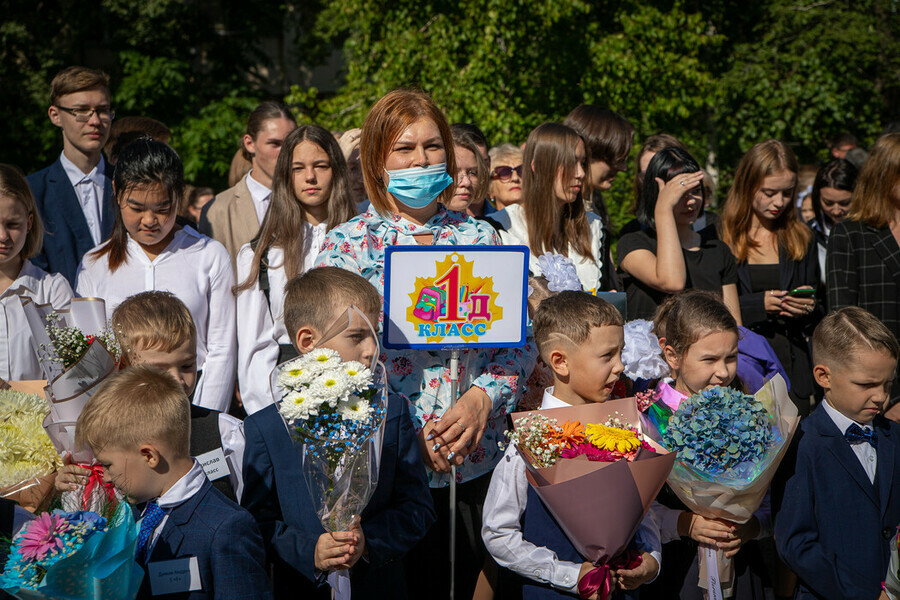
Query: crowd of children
[190, 317]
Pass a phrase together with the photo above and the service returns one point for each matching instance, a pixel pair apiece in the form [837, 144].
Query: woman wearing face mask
[831, 193]
[666, 255]
[407, 157]
[553, 218]
[778, 267]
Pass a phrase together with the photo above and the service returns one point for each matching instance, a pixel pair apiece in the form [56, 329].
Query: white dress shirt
[19, 358]
[261, 195]
[502, 524]
[867, 455]
[198, 271]
[89, 188]
[588, 268]
[183, 490]
[260, 329]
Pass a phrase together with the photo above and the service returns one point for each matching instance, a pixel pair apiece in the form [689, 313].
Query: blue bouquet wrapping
[728, 447]
[75, 556]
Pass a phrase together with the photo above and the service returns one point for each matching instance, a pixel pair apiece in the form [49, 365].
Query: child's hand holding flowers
[631, 579]
[721, 533]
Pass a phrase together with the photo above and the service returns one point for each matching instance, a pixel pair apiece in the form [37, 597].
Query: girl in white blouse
[310, 196]
[148, 250]
[552, 215]
[21, 234]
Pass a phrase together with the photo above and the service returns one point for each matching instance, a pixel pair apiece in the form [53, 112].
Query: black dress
[708, 268]
[788, 336]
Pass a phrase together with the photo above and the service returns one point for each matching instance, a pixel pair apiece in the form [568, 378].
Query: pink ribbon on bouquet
[600, 579]
[96, 480]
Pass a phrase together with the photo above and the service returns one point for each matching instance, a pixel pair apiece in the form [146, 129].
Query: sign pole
[454, 393]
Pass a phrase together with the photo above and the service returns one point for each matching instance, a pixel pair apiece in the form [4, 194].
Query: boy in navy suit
[842, 504]
[138, 427]
[400, 512]
[74, 195]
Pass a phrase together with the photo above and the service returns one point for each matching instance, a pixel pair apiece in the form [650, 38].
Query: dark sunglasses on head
[505, 173]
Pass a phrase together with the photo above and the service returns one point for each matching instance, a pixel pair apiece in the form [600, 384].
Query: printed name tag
[174, 576]
[214, 464]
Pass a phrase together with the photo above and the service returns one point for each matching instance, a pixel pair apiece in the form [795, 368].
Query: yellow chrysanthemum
[612, 438]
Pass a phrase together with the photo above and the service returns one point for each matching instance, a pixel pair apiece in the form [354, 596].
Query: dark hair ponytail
[142, 163]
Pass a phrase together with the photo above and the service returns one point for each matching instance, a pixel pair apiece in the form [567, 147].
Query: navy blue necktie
[153, 516]
[857, 435]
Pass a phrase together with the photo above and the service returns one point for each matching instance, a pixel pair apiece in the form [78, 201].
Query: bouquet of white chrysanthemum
[334, 410]
[28, 459]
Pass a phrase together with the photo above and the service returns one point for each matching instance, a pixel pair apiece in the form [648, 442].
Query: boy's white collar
[551, 401]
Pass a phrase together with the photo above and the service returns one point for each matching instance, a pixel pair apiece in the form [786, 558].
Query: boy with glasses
[74, 195]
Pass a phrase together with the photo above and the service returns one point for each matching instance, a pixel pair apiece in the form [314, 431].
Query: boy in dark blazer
[400, 511]
[74, 195]
[841, 506]
[194, 543]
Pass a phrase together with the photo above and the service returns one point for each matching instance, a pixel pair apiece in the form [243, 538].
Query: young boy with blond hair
[841, 506]
[580, 337]
[322, 309]
[155, 328]
[138, 427]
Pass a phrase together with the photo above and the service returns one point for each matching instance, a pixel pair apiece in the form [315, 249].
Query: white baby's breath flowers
[354, 408]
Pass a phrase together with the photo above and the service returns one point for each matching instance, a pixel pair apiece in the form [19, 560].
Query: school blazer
[66, 234]
[834, 527]
[226, 541]
[231, 219]
[396, 518]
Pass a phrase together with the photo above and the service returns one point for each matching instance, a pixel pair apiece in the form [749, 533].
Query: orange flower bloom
[571, 433]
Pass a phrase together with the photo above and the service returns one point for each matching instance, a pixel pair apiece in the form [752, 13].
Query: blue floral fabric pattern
[422, 377]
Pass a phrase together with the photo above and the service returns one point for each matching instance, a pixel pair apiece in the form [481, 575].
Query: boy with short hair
[580, 337]
[317, 313]
[138, 427]
[155, 328]
[74, 195]
[841, 506]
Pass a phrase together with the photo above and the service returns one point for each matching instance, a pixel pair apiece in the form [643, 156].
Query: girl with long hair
[552, 217]
[863, 258]
[831, 193]
[778, 267]
[148, 250]
[310, 196]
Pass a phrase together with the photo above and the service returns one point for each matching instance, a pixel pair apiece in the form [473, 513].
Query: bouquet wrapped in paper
[335, 411]
[596, 473]
[728, 446]
[78, 352]
[76, 555]
[28, 460]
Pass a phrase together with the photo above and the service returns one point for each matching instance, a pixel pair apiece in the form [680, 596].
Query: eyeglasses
[83, 115]
[504, 174]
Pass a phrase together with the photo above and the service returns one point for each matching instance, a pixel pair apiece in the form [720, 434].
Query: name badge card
[174, 576]
[455, 296]
[214, 463]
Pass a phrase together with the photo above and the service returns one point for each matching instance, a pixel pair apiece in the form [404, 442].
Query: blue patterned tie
[857, 435]
[153, 516]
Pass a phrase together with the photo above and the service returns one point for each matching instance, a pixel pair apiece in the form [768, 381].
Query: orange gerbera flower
[570, 434]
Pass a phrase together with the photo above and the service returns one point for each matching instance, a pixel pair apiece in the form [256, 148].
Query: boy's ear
[671, 356]
[822, 375]
[559, 362]
[150, 454]
[53, 113]
[306, 339]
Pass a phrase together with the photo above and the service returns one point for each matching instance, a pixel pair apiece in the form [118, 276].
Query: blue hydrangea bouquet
[728, 447]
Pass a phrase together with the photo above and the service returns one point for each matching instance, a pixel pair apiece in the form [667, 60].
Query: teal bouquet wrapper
[101, 568]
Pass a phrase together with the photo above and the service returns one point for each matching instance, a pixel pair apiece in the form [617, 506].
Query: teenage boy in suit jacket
[74, 195]
[400, 511]
[841, 506]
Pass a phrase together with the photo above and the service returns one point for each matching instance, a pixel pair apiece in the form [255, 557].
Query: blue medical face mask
[418, 187]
